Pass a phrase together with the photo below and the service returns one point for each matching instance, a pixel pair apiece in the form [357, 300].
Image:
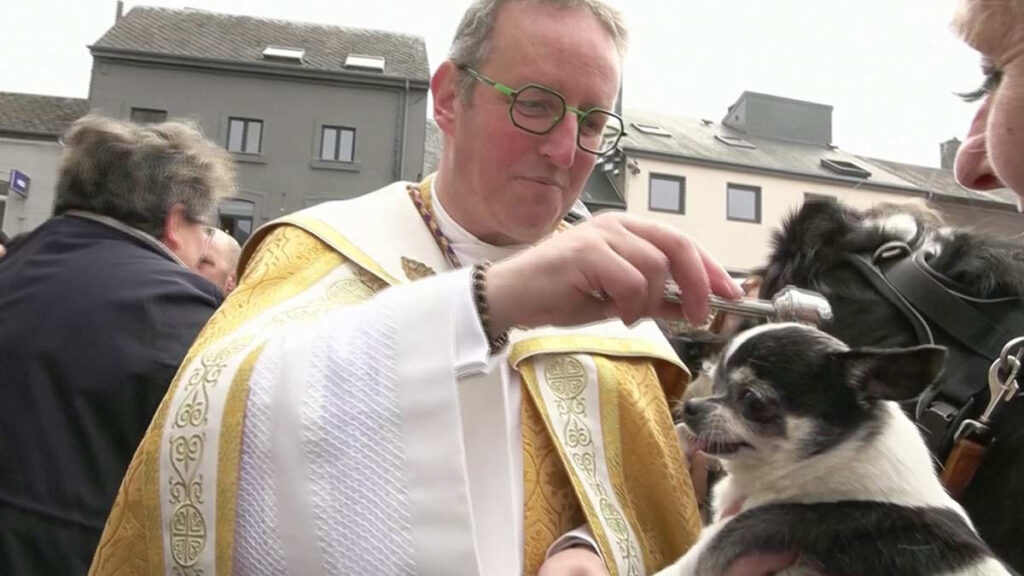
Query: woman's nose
[973, 167]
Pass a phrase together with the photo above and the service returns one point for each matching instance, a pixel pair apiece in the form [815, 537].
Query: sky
[889, 68]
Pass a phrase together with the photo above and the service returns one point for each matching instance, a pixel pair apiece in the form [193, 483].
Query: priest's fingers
[693, 269]
[648, 269]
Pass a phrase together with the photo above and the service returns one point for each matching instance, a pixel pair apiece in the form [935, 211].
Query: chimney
[948, 150]
[120, 10]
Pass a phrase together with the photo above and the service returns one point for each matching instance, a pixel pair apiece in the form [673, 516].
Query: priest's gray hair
[135, 173]
[472, 43]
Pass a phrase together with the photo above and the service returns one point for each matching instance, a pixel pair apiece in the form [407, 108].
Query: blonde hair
[472, 43]
[136, 173]
[998, 18]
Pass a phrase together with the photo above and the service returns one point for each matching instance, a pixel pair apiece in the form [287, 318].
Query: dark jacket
[93, 325]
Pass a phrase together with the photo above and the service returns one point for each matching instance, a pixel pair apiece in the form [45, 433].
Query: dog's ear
[890, 374]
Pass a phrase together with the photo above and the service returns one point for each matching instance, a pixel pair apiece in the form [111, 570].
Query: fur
[822, 460]
[809, 251]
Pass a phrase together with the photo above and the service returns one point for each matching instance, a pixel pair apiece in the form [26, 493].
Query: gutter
[778, 172]
[908, 190]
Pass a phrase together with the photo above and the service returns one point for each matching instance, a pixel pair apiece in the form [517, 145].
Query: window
[668, 194]
[651, 129]
[734, 141]
[148, 116]
[236, 218]
[365, 62]
[337, 143]
[844, 168]
[812, 197]
[743, 203]
[245, 135]
[284, 53]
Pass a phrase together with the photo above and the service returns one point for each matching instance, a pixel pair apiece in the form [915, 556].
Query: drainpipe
[405, 123]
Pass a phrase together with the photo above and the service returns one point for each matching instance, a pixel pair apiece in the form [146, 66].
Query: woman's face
[993, 154]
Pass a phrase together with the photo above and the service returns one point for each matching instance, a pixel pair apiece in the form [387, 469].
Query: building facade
[309, 112]
[30, 129]
[730, 184]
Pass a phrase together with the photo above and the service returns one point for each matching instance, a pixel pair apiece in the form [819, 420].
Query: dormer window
[284, 54]
[365, 63]
[844, 168]
[651, 129]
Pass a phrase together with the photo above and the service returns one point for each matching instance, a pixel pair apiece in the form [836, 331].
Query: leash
[974, 437]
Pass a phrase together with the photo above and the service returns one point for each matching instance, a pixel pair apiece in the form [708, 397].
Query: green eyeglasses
[537, 109]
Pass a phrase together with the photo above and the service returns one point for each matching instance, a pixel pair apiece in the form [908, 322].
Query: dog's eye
[754, 407]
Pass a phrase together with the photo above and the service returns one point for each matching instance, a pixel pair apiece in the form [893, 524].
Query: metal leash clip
[791, 304]
[1001, 390]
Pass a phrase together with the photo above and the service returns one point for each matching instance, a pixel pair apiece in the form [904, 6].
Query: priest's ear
[444, 87]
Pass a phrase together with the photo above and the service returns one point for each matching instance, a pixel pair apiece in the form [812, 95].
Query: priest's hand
[624, 259]
[577, 561]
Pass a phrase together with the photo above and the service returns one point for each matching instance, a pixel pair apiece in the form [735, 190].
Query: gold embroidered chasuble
[598, 442]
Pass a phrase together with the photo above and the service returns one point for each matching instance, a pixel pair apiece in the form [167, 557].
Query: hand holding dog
[623, 257]
[577, 561]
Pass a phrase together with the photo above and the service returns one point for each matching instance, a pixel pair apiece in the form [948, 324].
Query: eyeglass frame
[513, 93]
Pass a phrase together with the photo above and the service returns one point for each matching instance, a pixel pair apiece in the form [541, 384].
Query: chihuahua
[821, 461]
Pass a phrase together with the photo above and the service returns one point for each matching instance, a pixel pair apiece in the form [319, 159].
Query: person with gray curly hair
[161, 179]
[99, 305]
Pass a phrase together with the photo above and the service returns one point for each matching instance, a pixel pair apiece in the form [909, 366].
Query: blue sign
[19, 183]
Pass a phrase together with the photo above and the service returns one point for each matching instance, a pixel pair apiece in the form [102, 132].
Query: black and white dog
[814, 250]
[822, 461]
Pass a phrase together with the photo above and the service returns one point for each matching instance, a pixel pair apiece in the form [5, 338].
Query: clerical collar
[468, 248]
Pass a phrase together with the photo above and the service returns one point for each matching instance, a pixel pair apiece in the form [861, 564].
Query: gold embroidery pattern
[229, 458]
[644, 438]
[287, 261]
[188, 527]
[415, 270]
[550, 505]
[567, 380]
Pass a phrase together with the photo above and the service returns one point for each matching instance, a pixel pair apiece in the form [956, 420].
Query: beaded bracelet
[483, 310]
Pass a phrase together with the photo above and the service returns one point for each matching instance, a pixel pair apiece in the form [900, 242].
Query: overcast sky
[888, 67]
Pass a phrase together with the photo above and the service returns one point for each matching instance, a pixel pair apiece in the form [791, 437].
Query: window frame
[730, 186]
[681, 180]
[246, 121]
[134, 109]
[337, 142]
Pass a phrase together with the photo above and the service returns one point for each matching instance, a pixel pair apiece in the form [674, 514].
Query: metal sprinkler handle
[791, 304]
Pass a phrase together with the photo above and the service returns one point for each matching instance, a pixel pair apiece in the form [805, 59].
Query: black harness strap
[952, 312]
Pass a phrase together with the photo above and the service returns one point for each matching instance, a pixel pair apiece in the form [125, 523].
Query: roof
[942, 182]
[695, 140]
[208, 35]
[35, 115]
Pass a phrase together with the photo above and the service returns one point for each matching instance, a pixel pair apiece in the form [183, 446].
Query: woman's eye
[993, 76]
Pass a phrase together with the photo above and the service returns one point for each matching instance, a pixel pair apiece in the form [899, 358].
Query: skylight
[844, 168]
[651, 129]
[284, 53]
[734, 141]
[364, 62]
